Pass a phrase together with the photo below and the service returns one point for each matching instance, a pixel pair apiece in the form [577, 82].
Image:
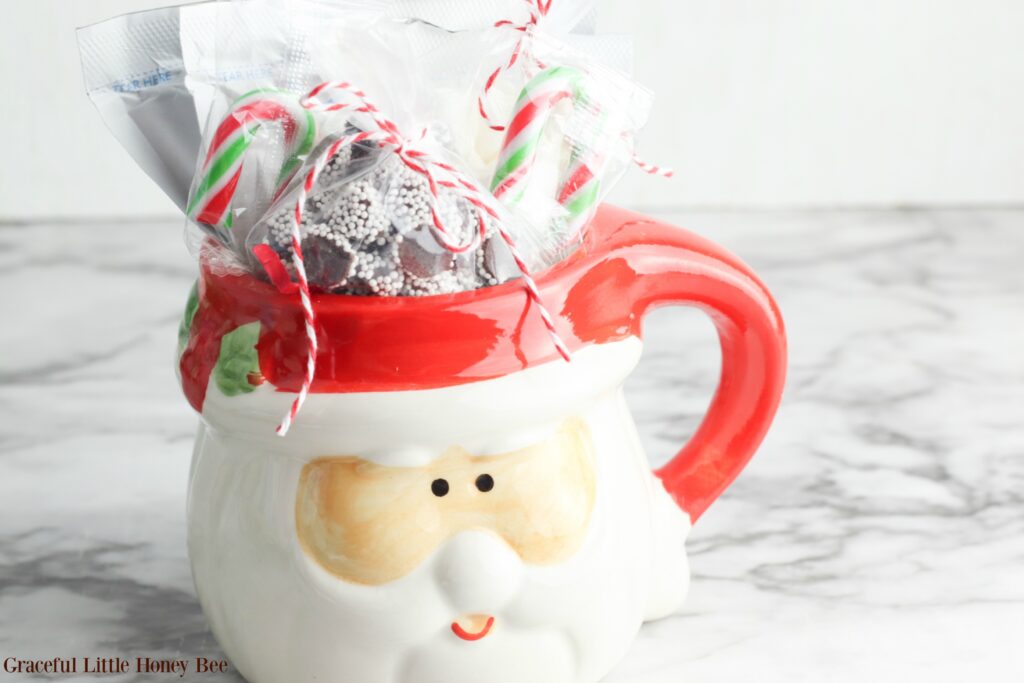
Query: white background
[760, 103]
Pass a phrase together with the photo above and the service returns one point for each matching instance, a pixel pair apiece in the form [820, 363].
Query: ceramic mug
[455, 502]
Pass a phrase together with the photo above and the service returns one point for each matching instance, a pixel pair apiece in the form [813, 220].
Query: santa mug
[455, 502]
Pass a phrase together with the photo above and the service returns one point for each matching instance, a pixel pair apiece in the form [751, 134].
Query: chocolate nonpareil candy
[329, 259]
[421, 256]
[495, 262]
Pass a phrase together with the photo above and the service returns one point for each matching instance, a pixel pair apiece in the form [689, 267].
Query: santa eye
[439, 487]
[485, 483]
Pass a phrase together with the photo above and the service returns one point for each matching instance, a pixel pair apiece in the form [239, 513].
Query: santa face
[484, 521]
[371, 524]
[465, 544]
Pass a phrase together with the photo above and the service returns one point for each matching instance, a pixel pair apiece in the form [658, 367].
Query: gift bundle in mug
[410, 331]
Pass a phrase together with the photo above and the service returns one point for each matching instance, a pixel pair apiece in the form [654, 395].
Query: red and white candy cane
[580, 187]
[579, 192]
[222, 167]
[538, 9]
[438, 175]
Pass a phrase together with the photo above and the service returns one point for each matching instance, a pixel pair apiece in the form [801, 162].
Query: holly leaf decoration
[238, 363]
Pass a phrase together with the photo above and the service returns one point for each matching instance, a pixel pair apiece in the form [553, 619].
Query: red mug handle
[659, 264]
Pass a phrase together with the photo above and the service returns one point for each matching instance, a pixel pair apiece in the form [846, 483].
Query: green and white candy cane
[580, 184]
[228, 149]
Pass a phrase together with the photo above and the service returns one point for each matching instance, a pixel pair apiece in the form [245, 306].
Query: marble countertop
[878, 534]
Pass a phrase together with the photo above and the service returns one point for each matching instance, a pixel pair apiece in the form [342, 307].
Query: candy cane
[580, 187]
[222, 167]
[532, 111]
[580, 192]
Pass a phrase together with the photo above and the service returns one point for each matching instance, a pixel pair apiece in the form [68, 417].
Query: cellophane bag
[553, 129]
[399, 157]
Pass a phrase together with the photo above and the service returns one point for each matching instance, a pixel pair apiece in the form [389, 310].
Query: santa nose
[478, 573]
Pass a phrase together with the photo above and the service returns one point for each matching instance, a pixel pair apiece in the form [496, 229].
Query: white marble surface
[877, 536]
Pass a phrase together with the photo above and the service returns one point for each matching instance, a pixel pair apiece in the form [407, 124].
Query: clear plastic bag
[558, 132]
[410, 210]
[135, 74]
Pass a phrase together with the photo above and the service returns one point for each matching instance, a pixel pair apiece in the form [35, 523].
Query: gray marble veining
[877, 535]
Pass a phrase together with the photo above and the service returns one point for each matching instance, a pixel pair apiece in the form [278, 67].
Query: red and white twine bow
[537, 9]
[438, 175]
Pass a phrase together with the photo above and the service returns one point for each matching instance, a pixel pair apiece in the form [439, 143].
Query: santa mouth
[477, 626]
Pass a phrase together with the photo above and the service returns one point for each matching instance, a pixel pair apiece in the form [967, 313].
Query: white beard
[507, 656]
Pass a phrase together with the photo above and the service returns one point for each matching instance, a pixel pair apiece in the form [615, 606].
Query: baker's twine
[438, 175]
[537, 10]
